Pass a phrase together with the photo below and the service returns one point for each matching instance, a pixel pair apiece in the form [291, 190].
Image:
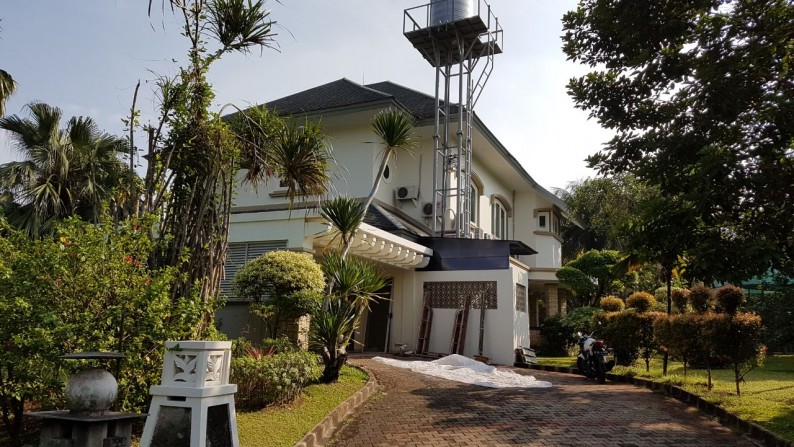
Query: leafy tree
[700, 97]
[86, 289]
[589, 277]
[194, 157]
[284, 285]
[602, 206]
[63, 172]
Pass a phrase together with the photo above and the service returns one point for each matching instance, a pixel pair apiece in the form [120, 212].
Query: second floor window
[474, 200]
[498, 220]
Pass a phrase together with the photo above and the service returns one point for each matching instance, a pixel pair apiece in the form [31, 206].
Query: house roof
[345, 93]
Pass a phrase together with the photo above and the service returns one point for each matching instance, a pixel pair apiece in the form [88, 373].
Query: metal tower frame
[455, 50]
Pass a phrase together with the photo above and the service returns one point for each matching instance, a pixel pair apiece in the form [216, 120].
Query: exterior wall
[499, 340]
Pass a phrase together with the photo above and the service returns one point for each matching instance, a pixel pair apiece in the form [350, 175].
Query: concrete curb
[726, 418]
[324, 430]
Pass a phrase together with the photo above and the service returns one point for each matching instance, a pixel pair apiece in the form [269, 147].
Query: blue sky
[85, 56]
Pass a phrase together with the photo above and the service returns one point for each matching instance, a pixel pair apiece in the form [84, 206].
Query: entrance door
[377, 322]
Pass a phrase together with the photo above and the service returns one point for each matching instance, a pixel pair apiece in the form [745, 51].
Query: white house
[506, 263]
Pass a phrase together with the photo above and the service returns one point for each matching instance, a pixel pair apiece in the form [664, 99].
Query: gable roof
[341, 93]
[346, 93]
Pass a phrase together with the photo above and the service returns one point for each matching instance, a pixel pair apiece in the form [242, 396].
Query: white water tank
[446, 11]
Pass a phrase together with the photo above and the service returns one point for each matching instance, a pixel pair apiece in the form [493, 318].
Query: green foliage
[559, 332]
[641, 301]
[331, 327]
[611, 304]
[729, 298]
[777, 312]
[284, 285]
[589, 277]
[272, 379]
[738, 337]
[603, 207]
[630, 334]
[87, 289]
[680, 299]
[62, 172]
[682, 336]
[698, 97]
[701, 298]
[345, 214]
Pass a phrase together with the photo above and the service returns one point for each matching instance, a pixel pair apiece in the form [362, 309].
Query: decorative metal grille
[452, 294]
[521, 298]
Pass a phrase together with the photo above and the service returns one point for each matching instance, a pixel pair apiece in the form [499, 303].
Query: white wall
[498, 342]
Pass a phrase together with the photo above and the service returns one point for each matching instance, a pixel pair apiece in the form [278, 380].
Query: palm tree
[355, 284]
[7, 87]
[395, 129]
[62, 172]
[345, 214]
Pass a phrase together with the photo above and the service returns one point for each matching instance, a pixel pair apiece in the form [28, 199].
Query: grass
[767, 395]
[285, 425]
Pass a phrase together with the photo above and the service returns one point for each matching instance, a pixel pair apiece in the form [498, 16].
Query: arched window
[498, 220]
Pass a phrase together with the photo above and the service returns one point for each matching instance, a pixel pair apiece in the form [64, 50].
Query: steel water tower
[459, 38]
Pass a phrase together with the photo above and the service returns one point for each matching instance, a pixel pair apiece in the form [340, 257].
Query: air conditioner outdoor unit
[488, 236]
[406, 192]
[479, 233]
[427, 209]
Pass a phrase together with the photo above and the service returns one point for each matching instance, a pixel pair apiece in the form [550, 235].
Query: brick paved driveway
[414, 410]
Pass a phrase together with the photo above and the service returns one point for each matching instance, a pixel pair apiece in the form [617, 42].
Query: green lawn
[767, 396]
[283, 426]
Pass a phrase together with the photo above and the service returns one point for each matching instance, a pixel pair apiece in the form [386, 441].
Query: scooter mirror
[579, 333]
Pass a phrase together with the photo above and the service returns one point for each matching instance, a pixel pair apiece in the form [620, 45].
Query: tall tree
[603, 207]
[63, 171]
[194, 157]
[7, 88]
[700, 95]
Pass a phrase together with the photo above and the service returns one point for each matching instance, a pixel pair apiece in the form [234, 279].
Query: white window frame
[499, 219]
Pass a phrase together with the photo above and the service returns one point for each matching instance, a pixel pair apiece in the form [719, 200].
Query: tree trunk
[668, 273]
[375, 185]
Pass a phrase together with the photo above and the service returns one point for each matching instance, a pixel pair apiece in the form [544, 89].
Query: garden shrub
[681, 335]
[776, 310]
[558, 338]
[88, 288]
[273, 379]
[729, 298]
[737, 337]
[630, 334]
[641, 301]
[700, 297]
[559, 332]
[611, 304]
[680, 298]
[284, 286]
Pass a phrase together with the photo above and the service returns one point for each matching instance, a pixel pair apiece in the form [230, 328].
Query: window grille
[521, 298]
[452, 294]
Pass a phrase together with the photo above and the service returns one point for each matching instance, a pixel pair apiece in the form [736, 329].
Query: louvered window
[238, 254]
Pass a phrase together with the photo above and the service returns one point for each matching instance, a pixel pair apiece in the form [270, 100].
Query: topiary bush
[680, 299]
[630, 334]
[700, 297]
[729, 298]
[284, 286]
[272, 379]
[641, 301]
[681, 335]
[611, 304]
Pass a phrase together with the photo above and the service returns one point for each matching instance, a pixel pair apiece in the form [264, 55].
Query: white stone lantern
[194, 404]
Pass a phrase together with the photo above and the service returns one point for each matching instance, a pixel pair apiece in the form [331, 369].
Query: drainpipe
[514, 214]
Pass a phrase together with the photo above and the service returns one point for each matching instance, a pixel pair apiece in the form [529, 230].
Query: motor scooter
[591, 361]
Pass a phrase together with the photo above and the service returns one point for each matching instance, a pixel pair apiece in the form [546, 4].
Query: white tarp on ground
[463, 369]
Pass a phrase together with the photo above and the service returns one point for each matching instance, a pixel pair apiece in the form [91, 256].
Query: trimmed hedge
[273, 379]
